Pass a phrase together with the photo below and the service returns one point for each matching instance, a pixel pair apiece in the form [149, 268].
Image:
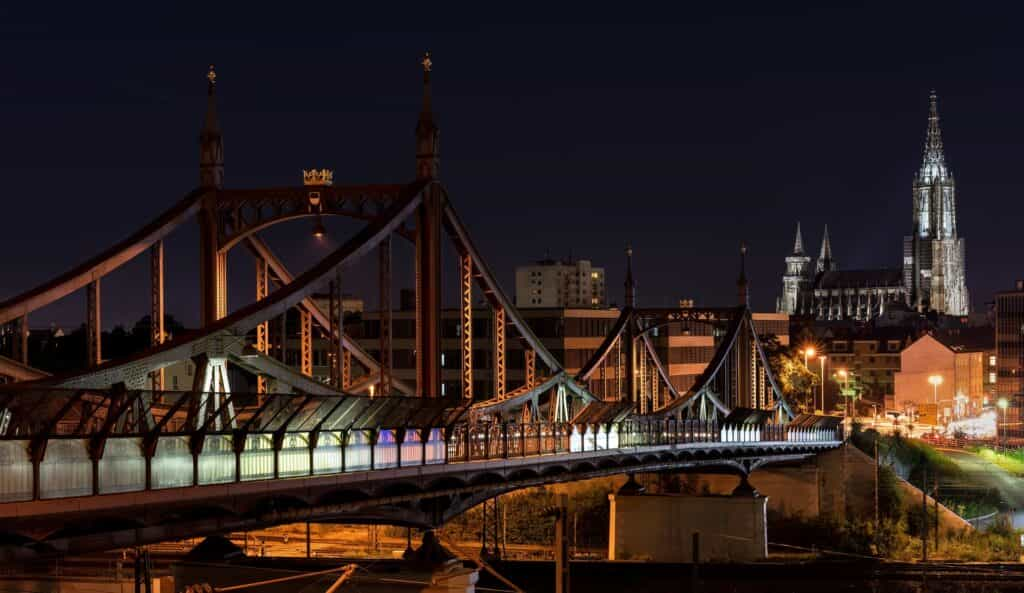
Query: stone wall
[660, 528]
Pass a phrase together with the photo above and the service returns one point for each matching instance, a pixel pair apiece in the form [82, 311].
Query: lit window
[991, 377]
[992, 360]
[442, 359]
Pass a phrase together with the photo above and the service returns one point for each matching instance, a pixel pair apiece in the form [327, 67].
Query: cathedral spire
[211, 145]
[825, 263]
[630, 285]
[798, 245]
[933, 163]
[427, 133]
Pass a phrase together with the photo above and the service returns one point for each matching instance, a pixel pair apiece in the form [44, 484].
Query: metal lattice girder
[346, 369]
[93, 330]
[499, 352]
[529, 367]
[466, 327]
[333, 355]
[156, 310]
[263, 329]
[351, 348]
[659, 366]
[221, 279]
[306, 342]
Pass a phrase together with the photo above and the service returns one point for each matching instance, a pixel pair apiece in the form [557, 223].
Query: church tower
[934, 269]
[796, 281]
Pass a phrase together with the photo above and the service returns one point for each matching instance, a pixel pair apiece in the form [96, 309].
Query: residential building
[570, 284]
[1010, 354]
[944, 374]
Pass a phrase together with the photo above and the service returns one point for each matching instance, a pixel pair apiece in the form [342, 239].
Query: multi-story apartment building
[553, 283]
[1010, 355]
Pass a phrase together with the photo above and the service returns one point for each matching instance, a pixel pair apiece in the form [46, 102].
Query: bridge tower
[212, 261]
[428, 247]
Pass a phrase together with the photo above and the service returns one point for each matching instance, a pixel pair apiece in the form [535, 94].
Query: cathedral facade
[934, 270]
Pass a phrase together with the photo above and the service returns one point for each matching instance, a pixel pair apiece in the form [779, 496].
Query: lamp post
[845, 376]
[808, 353]
[1003, 404]
[935, 380]
[821, 359]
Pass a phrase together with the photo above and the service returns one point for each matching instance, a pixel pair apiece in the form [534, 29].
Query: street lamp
[822, 360]
[936, 380]
[808, 354]
[845, 376]
[1003, 404]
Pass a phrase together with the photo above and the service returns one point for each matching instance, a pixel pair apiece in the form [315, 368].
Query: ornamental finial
[212, 75]
[426, 63]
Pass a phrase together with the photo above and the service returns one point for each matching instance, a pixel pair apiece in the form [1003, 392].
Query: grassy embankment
[1011, 460]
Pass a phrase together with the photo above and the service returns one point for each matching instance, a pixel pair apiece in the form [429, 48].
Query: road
[982, 473]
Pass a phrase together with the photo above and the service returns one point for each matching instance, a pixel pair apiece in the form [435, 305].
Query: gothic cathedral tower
[934, 267]
[797, 278]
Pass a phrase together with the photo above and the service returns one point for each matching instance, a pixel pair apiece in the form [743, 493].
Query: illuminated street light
[822, 360]
[936, 380]
[1003, 404]
[808, 354]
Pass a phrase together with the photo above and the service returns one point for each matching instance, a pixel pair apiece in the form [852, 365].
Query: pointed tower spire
[826, 246]
[933, 163]
[428, 158]
[741, 283]
[825, 263]
[630, 286]
[798, 245]
[211, 144]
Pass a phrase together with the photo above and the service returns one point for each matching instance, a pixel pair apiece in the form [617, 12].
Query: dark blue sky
[563, 128]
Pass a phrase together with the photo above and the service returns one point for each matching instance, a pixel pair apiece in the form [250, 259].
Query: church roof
[859, 278]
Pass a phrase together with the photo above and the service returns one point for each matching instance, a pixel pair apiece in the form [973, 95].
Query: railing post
[399, 441]
[374, 435]
[504, 440]
[344, 448]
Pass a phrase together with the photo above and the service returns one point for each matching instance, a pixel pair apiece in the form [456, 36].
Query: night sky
[562, 131]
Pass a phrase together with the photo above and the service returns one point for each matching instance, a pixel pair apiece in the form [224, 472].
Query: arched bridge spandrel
[242, 212]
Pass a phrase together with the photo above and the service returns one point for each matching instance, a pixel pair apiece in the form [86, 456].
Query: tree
[796, 381]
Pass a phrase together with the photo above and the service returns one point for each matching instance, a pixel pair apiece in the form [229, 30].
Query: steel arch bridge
[105, 455]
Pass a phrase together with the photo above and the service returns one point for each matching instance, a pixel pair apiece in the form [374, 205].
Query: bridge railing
[65, 464]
